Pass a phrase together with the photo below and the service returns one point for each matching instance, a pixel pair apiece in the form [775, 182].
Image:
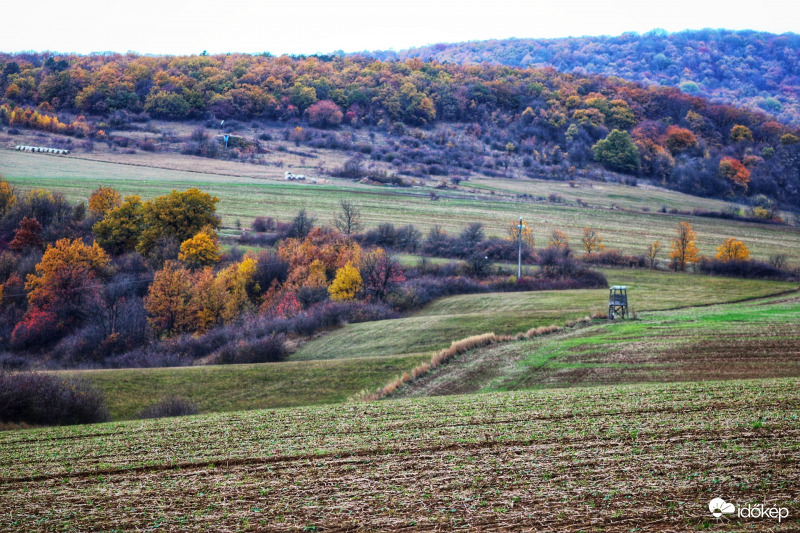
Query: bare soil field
[648, 457]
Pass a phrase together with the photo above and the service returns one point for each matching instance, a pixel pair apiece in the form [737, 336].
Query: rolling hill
[751, 69]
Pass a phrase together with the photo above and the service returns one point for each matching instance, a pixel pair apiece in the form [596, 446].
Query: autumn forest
[441, 118]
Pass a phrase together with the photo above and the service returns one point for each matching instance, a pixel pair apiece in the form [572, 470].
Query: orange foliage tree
[326, 249]
[169, 300]
[680, 139]
[63, 291]
[735, 171]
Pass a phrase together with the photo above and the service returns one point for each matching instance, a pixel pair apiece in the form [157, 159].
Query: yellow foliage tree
[177, 215]
[652, 252]
[559, 239]
[512, 233]
[7, 197]
[346, 284]
[237, 282]
[208, 301]
[733, 250]
[199, 251]
[103, 200]
[684, 247]
[591, 240]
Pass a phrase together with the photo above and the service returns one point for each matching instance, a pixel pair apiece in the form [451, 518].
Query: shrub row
[44, 399]
[743, 269]
[253, 339]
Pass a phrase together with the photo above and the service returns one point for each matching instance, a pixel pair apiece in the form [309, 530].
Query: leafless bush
[172, 406]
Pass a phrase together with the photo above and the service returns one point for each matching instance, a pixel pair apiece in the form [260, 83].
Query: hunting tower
[618, 302]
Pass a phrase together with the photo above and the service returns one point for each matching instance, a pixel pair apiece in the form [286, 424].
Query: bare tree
[348, 219]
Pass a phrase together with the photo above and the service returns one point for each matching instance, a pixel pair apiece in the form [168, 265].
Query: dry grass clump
[464, 345]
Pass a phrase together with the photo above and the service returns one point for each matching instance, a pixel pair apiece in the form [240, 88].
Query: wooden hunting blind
[618, 302]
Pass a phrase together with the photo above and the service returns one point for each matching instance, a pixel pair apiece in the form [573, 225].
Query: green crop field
[259, 192]
[457, 317]
[647, 457]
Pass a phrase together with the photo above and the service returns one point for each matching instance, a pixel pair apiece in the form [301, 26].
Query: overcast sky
[320, 26]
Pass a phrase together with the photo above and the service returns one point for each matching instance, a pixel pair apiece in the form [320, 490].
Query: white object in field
[41, 149]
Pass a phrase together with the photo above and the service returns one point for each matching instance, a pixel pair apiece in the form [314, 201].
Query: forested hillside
[756, 70]
[433, 119]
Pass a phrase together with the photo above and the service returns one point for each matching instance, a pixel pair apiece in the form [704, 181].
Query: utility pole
[519, 254]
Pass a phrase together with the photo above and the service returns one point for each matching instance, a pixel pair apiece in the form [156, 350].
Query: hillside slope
[757, 70]
[434, 120]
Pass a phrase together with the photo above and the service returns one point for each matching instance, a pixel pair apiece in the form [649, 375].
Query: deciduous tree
[652, 253]
[617, 152]
[179, 215]
[559, 239]
[120, 231]
[103, 200]
[380, 273]
[66, 283]
[324, 114]
[513, 233]
[348, 218]
[346, 284]
[27, 236]
[169, 301]
[733, 170]
[591, 240]
[200, 250]
[8, 197]
[741, 133]
[684, 247]
[733, 250]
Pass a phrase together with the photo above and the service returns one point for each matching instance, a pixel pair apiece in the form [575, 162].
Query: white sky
[311, 26]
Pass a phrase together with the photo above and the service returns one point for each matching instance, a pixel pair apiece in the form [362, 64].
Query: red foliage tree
[287, 307]
[36, 329]
[324, 114]
[28, 235]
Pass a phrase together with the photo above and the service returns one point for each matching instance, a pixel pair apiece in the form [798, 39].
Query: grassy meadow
[337, 365]
[224, 388]
[456, 317]
[247, 191]
[752, 339]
